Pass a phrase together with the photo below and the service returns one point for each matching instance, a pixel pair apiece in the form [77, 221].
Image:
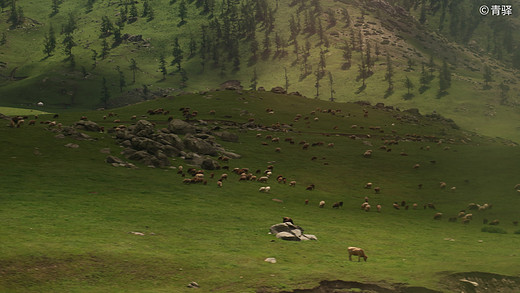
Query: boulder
[180, 127]
[114, 159]
[199, 146]
[87, 125]
[72, 145]
[231, 155]
[291, 232]
[287, 236]
[144, 128]
[209, 164]
[278, 90]
[193, 159]
[227, 136]
[231, 85]
[170, 139]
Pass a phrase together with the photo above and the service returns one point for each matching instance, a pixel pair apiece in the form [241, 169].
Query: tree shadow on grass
[361, 89]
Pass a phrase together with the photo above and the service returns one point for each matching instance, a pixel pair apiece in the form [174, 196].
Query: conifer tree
[389, 75]
[253, 80]
[162, 66]
[134, 68]
[408, 84]
[177, 54]
[105, 94]
[122, 81]
[286, 77]
[49, 42]
[104, 49]
[332, 91]
[488, 77]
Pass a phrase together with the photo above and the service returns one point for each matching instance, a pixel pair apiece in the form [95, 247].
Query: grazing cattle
[337, 205]
[310, 187]
[287, 220]
[377, 190]
[357, 252]
[494, 222]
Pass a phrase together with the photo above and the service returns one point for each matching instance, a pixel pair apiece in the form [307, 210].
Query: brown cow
[358, 252]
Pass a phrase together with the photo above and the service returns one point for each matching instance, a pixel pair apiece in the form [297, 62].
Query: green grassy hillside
[31, 76]
[67, 215]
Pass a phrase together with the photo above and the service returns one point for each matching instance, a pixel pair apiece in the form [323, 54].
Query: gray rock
[170, 151]
[72, 145]
[289, 231]
[209, 164]
[87, 125]
[144, 128]
[231, 155]
[287, 236]
[231, 85]
[59, 135]
[308, 237]
[114, 159]
[199, 146]
[227, 136]
[193, 159]
[180, 127]
[284, 227]
[278, 90]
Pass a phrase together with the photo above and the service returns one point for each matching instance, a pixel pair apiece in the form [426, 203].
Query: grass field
[53, 81]
[67, 215]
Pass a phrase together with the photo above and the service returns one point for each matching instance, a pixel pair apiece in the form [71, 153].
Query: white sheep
[265, 189]
[368, 185]
[322, 203]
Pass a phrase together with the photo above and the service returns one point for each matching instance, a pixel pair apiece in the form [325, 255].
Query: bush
[490, 229]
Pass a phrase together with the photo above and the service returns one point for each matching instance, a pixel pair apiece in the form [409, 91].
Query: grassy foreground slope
[67, 215]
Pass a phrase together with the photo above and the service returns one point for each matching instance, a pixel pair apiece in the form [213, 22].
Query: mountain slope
[220, 34]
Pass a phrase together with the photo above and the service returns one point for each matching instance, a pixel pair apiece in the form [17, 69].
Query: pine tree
[254, 81]
[192, 47]
[177, 54]
[424, 80]
[431, 67]
[55, 7]
[162, 66]
[146, 8]
[104, 49]
[444, 79]
[286, 77]
[94, 58]
[389, 75]
[183, 11]
[151, 14]
[133, 13]
[50, 42]
[122, 81]
[488, 77]
[317, 85]
[106, 27]
[105, 94]
[332, 91]
[184, 79]
[408, 84]
[134, 68]
[362, 72]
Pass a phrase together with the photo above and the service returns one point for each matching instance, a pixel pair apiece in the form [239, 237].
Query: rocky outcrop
[231, 85]
[278, 90]
[154, 148]
[117, 162]
[291, 232]
[177, 126]
[87, 125]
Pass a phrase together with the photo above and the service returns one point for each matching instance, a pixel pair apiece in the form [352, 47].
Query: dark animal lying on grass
[287, 220]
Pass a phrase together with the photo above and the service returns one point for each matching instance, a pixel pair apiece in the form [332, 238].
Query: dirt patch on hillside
[477, 282]
[469, 282]
[339, 286]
